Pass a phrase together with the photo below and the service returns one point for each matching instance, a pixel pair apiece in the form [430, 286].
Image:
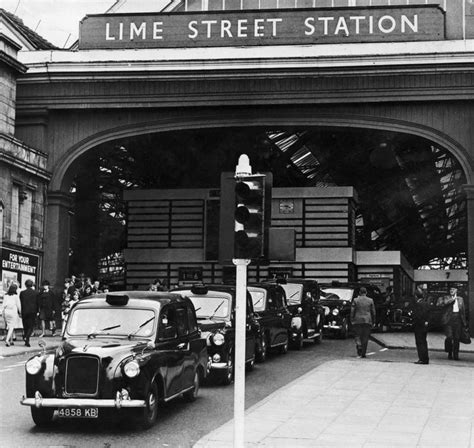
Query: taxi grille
[82, 375]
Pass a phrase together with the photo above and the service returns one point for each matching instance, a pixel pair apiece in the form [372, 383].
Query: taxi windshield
[337, 294]
[98, 322]
[211, 306]
[258, 298]
[294, 292]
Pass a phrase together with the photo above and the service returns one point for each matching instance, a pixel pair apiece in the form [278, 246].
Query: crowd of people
[45, 308]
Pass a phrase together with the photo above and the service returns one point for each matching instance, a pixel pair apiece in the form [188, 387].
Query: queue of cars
[124, 353]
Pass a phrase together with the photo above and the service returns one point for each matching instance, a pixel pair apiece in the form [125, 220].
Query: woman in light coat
[11, 310]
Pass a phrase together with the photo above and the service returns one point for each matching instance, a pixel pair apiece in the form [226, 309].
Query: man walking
[362, 318]
[454, 318]
[29, 309]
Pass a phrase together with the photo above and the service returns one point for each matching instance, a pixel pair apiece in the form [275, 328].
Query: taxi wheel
[298, 342]
[229, 372]
[262, 353]
[284, 348]
[192, 394]
[344, 329]
[149, 413]
[42, 416]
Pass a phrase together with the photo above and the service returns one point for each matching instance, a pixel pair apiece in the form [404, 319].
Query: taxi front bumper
[117, 403]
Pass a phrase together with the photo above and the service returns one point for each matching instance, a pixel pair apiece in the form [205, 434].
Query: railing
[226, 5]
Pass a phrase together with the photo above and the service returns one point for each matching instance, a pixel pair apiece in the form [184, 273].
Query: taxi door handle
[182, 346]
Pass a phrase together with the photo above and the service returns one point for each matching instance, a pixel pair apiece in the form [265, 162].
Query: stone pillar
[56, 240]
[469, 189]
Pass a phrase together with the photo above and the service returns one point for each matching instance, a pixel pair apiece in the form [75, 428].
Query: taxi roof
[135, 299]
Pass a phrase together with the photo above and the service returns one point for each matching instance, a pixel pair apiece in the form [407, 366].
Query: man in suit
[362, 318]
[454, 318]
[29, 309]
[421, 315]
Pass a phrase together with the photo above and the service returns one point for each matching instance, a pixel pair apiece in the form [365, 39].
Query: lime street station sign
[262, 27]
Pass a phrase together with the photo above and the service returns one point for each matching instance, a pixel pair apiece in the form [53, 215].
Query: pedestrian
[29, 310]
[421, 308]
[11, 311]
[362, 318]
[453, 319]
[46, 305]
[68, 303]
[87, 291]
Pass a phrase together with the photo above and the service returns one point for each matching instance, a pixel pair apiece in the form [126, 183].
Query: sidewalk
[20, 349]
[407, 340]
[358, 403]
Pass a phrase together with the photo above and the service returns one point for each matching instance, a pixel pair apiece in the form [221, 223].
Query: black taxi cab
[271, 308]
[307, 313]
[121, 353]
[337, 298]
[215, 311]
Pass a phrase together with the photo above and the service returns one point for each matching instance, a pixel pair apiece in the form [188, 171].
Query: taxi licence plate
[78, 412]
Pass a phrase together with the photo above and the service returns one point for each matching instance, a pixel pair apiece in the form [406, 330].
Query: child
[68, 303]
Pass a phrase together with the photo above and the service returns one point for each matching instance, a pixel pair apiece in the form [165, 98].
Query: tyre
[250, 365]
[262, 353]
[147, 415]
[344, 329]
[192, 394]
[297, 344]
[42, 416]
[228, 375]
[318, 339]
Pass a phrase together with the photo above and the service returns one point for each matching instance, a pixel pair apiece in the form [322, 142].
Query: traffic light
[249, 217]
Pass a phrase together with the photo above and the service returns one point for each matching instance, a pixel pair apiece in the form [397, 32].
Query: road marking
[383, 349]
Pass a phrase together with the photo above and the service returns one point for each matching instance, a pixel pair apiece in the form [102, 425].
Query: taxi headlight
[131, 369]
[296, 322]
[335, 312]
[326, 310]
[33, 366]
[218, 338]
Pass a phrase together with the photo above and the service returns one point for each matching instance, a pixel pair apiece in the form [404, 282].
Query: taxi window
[192, 320]
[258, 298]
[182, 322]
[293, 292]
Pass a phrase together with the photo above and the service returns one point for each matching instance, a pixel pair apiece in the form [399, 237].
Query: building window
[22, 199]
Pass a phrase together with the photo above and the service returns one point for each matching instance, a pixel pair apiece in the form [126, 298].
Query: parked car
[124, 351]
[337, 298]
[269, 304]
[215, 310]
[307, 313]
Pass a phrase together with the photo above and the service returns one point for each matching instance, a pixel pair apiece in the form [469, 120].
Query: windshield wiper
[294, 294]
[96, 333]
[140, 327]
[257, 302]
[215, 311]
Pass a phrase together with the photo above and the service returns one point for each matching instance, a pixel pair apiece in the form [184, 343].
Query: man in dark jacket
[46, 308]
[29, 309]
[362, 318]
[421, 315]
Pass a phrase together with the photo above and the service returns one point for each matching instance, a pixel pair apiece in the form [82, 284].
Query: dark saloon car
[215, 310]
[302, 296]
[269, 304]
[124, 352]
[337, 298]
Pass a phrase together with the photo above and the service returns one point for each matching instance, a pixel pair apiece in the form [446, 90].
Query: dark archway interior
[410, 191]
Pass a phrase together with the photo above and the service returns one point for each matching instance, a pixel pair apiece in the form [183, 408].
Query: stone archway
[56, 243]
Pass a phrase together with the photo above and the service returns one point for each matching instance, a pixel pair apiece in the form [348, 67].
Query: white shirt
[456, 305]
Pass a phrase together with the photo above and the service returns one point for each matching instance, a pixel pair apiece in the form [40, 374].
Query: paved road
[180, 424]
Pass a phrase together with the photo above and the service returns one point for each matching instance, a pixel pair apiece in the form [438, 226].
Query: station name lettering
[317, 26]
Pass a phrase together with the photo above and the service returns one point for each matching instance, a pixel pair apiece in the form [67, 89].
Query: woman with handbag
[454, 321]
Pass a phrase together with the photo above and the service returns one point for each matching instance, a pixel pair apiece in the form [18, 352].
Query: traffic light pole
[240, 339]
